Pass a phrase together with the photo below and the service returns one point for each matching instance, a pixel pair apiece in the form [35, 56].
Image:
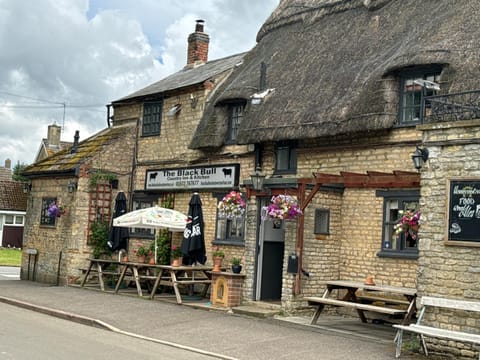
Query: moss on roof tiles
[65, 161]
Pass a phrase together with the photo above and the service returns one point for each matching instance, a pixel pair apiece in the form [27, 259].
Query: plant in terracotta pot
[236, 265]
[141, 253]
[218, 256]
[176, 255]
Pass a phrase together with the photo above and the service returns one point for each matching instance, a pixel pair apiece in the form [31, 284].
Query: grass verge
[10, 257]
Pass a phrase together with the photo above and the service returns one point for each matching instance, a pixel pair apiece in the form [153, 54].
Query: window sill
[398, 254]
[229, 242]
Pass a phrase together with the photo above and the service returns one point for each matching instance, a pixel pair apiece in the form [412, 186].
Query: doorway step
[259, 309]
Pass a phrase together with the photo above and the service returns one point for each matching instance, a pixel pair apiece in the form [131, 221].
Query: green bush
[99, 232]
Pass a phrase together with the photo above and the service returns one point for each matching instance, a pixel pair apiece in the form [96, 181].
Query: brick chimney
[197, 53]
[53, 137]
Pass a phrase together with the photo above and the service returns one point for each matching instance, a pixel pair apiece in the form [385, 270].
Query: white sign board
[197, 177]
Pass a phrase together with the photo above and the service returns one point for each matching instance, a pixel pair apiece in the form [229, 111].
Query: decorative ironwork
[452, 107]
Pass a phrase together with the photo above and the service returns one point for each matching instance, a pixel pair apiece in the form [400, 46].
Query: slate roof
[188, 76]
[12, 197]
[66, 163]
[329, 63]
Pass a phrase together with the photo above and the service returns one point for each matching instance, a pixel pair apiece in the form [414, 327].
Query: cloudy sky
[63, 61]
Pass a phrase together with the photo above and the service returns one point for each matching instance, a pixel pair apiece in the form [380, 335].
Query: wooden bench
[367, 298]
[320, 302]
[436, 332]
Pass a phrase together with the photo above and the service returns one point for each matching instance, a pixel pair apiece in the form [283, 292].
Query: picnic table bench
[435, 331]
[351, 300]
[100, 267]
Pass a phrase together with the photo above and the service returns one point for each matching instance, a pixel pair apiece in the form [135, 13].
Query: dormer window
[413, 90]
[235, 117]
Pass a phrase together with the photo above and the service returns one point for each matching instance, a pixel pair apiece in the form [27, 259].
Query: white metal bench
[437, 332]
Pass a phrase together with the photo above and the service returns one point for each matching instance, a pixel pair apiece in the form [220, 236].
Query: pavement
[202, 329]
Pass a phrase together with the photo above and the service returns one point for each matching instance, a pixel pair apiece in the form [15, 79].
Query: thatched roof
[188, 76]
[332, 63]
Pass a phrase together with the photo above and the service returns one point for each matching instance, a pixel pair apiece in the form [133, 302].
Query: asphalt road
[26, 335]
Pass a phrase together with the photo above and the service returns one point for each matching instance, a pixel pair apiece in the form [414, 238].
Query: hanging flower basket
[408, 224]
[55, 210]
[282, 207]
[232, 205]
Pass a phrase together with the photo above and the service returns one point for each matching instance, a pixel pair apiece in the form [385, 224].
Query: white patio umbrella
[153, 218]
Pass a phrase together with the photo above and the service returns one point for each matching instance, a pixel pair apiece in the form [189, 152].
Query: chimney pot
[199, 26]
[75, 142]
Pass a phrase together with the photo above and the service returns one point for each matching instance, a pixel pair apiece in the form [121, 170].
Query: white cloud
[82, 53]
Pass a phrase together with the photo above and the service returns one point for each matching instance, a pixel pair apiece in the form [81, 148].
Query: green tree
[17, 172]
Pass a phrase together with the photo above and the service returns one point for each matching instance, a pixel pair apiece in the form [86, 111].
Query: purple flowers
[282, 207]
[55, 210]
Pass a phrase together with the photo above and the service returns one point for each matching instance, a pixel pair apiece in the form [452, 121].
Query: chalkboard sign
[464, 210]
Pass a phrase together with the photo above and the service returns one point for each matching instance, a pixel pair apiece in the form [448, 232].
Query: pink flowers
[408, 223]
[232, 205]
[176, 252]
[282, 207]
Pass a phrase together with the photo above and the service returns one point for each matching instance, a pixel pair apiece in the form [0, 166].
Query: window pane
[44, 218]
[283, 159]
[8, 219]
[152, 116]
[19, 220]
[235, 117]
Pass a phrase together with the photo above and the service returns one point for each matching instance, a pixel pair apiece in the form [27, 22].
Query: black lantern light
[257, 179]
[419, 157]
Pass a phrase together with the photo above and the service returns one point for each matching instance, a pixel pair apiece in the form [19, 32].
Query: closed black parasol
[118, 237]
[193, 244]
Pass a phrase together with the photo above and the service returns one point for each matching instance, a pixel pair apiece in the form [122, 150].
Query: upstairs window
[152, 119]
[413, 90]
[285, 158]
[235, 117]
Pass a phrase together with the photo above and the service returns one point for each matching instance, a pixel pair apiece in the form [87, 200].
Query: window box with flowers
[282, 207]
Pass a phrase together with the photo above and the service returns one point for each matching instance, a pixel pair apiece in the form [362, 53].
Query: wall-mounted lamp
[419, 157]
[27, 187]
[193, 101]
[72, 186]
[258, 179]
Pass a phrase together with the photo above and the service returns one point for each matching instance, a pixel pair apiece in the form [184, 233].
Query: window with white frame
[143, 201]
[403, 245]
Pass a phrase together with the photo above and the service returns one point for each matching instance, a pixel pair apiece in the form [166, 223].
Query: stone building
[167, 113]
[52, 143]
[79, 181]
[336, 97]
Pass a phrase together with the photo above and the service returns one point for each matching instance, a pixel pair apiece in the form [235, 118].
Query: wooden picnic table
[99, 266]
[375, 293]
[166, 275]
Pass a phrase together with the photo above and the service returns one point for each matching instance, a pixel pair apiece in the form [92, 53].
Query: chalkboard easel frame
[470, 240]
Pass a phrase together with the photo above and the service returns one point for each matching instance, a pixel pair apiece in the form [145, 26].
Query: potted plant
[176, 255]
[408, 224]
[236, 265]
[282, 207]
[141, 253]
[218, 256]
[55, 210]
[232, 205]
